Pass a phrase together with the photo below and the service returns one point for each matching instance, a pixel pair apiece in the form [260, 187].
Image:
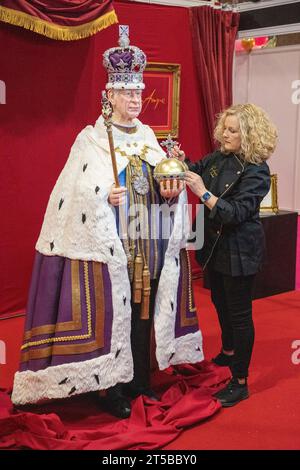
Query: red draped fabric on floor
[214, 33]
[78, 423]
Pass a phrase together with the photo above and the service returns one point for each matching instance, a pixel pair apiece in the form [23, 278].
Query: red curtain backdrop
[213, 35]
[53, 90]
[59, 19]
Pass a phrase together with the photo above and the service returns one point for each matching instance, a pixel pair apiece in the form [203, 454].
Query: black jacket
[233, 234]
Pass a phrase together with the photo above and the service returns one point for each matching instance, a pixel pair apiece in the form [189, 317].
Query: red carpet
[269, 419]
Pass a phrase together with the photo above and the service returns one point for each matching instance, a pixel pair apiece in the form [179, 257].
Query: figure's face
[127, 104]
[231, 134]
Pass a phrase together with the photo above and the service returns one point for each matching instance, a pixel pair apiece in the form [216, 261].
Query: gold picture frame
[269, 204]
[161, 98]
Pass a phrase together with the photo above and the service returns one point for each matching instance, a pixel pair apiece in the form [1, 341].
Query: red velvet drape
[213, 35]
[61, 12]
[65, 20]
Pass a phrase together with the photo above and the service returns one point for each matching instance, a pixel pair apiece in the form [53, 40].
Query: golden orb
[170, 168]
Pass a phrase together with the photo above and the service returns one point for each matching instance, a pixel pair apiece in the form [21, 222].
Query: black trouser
[140, 344]
[232, 297]
[141, 340]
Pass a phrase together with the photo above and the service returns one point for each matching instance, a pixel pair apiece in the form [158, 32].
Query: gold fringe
[53, 31]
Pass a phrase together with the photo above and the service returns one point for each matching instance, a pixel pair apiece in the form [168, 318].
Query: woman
[231, 182]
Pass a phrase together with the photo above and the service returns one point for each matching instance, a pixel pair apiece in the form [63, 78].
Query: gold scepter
[107, 112]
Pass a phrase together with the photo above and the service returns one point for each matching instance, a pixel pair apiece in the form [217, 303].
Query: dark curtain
[213, 35]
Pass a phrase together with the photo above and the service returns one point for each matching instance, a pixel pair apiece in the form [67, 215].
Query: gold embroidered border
[153, 220]
[142, 154]
[131, 204]
[75, 337]
[186, 289]
[192, 307]
[75, 323]
[146, 244]
[100, 304]
[90, 346]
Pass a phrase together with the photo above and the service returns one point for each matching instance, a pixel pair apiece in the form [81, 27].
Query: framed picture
[270, 201]
[161, 98]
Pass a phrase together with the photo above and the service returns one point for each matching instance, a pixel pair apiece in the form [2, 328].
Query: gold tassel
[146, 294]
[54, 31]
[138, 279]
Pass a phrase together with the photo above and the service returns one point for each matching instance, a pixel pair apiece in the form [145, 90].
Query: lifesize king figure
[105, 266]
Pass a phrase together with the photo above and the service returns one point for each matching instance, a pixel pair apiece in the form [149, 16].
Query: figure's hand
[117, 195]
[195, 183]
[171, 188]
[177, 153]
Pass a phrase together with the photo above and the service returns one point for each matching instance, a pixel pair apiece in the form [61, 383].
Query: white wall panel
[265, 78]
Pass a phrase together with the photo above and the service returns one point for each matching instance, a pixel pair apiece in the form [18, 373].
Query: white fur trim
[171, 350]
[35, 387]
[125, 86]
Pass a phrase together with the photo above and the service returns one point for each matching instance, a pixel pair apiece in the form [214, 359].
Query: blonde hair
[258, 133]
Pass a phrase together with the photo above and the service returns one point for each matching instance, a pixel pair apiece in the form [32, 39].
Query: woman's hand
[171, 188]
[195, 183]
[117, 195]
[177, 153]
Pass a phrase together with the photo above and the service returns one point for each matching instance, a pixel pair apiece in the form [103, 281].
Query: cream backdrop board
[270, 78]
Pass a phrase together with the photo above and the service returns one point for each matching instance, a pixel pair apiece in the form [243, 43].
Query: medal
[140, 184]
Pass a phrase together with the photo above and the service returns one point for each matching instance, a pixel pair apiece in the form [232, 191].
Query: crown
[125, 64]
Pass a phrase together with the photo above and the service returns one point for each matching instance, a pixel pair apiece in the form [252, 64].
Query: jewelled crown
[125, 64]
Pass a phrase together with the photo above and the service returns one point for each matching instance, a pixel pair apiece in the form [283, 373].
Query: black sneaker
[223, 360]
[233, 393]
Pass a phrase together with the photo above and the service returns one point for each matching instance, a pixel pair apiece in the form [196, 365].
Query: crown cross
[169, 143]
[123, 35]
